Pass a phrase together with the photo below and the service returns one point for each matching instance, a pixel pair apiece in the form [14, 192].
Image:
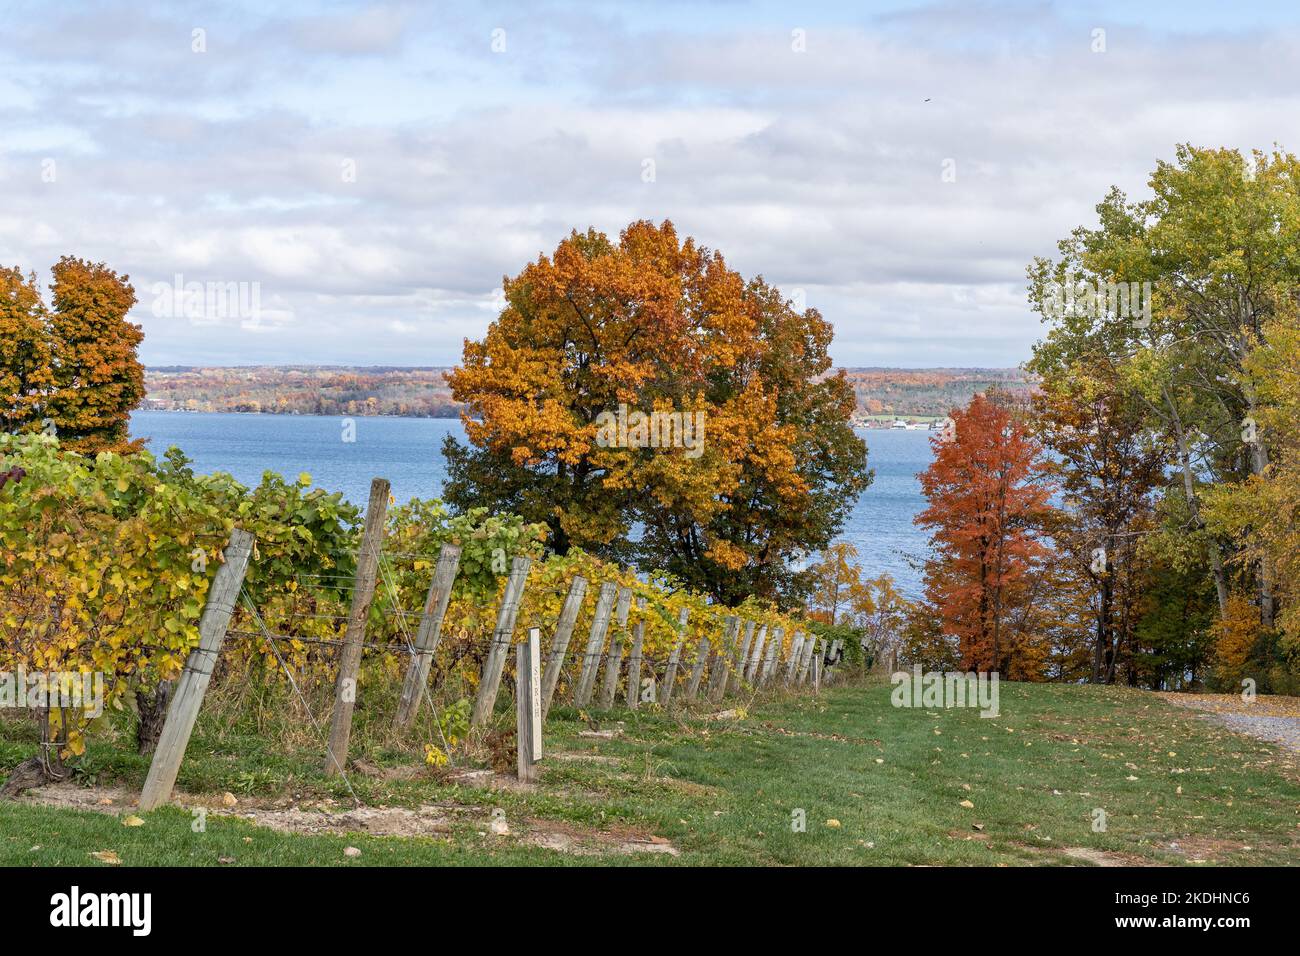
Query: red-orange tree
[987, 494]
[655, 323]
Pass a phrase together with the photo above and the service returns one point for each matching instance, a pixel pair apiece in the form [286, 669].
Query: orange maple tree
[653, 323]
[97, 378]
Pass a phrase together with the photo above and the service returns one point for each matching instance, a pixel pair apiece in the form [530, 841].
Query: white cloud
[818, 170]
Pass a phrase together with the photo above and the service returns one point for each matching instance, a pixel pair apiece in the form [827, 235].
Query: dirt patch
[282, 815]
[100, 799]
[374, 821]
[1204, 849]
[432, 820]
[1102, 857]
[577, 841]
[1089, 855]
[487, 779]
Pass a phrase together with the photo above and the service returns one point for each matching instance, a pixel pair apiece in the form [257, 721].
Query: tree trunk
[45, 767]
[153, 713]
[1193, 506]
[1267, 604]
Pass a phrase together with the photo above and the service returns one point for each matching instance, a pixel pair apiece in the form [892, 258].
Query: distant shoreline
[873, 425]
[882, 395]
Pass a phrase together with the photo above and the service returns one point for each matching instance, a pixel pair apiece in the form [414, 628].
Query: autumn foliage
[987, 498]
[659, 324]
[70, 368]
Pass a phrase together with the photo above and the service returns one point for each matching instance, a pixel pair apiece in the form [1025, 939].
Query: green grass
[726, 792]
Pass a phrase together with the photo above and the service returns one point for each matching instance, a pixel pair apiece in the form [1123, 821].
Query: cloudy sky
[370, 171]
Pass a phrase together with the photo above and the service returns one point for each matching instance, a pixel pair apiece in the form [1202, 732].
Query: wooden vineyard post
[528, 705]
[614, 662]
[502, 637]
[595, 641]
[560, 644]
[773, 650]
[742, 657]
[719, 675]
[796, 653]
[634, 662]
[701, 657]
[670, 675]
[196, 675]
[756, 654]
[428, 635]
[363, 591]
[807, 660]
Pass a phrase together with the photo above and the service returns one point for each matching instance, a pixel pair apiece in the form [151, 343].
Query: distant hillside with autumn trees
[302, 390]
[423, 392]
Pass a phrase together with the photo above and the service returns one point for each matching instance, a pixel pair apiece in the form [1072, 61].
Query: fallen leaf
[228, 799]
[833, 823]
[107, 856]
[132, 821]
[968, 805]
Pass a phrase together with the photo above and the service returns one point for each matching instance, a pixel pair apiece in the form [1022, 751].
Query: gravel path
[1272, 719]
[1278, 730]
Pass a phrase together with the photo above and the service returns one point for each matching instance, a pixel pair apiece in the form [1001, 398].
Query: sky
[347, 183]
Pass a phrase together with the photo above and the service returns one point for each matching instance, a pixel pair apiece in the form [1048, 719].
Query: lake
[408, 452]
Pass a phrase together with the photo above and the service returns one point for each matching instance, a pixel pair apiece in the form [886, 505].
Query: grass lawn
[877, 785]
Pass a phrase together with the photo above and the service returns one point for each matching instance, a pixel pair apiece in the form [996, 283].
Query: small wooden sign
[535, 687]
[528, 705]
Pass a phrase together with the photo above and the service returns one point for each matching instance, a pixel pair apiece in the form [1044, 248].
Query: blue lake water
[408, 452]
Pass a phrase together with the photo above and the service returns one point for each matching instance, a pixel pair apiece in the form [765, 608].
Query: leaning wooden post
[756, 655]
[363, 591]
[634, 661]
[808, 651]
[670, 675]
[614, 662]
[701, 656]
[528, 706]
[769, 662]
[817, 673]
[560, 643]
[720, 675]
[193, 682]
[502, 637]
[595, 641]
[796, 654]
[742, 657]
[428, 635]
